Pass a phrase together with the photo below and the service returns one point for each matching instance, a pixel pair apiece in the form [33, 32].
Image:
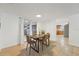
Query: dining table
[37, 38]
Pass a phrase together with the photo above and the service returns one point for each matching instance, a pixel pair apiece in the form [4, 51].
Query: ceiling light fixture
[38, 16]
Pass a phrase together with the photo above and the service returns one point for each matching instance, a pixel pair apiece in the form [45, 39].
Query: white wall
[62, 21]
[9, 30]
[39, 27]
[50, 27]
[74, 30]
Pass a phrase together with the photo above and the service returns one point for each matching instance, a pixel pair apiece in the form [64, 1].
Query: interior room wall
[40, 27]
[74, 30]
[9, 29]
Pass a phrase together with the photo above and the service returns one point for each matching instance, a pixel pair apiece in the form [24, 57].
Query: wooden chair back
[28, 39]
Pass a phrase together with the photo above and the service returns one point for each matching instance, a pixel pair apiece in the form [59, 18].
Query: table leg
[38, 45]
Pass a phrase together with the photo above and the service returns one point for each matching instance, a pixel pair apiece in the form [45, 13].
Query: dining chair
[30, 42]
[46, 39]
[41, 39]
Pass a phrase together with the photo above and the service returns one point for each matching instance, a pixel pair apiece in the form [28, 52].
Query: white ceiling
[48, 11]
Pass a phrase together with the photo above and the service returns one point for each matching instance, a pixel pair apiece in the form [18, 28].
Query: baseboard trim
[8, 47]
[74, 45]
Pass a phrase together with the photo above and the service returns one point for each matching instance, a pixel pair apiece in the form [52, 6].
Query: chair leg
[48, 42]
[42, 45]
[30, 49]
[27, 46]
[35, 45]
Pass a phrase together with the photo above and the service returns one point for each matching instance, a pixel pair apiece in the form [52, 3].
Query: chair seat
[32, 41]
[40, 39]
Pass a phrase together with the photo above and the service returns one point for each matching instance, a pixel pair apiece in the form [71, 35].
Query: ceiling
[49, 11]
